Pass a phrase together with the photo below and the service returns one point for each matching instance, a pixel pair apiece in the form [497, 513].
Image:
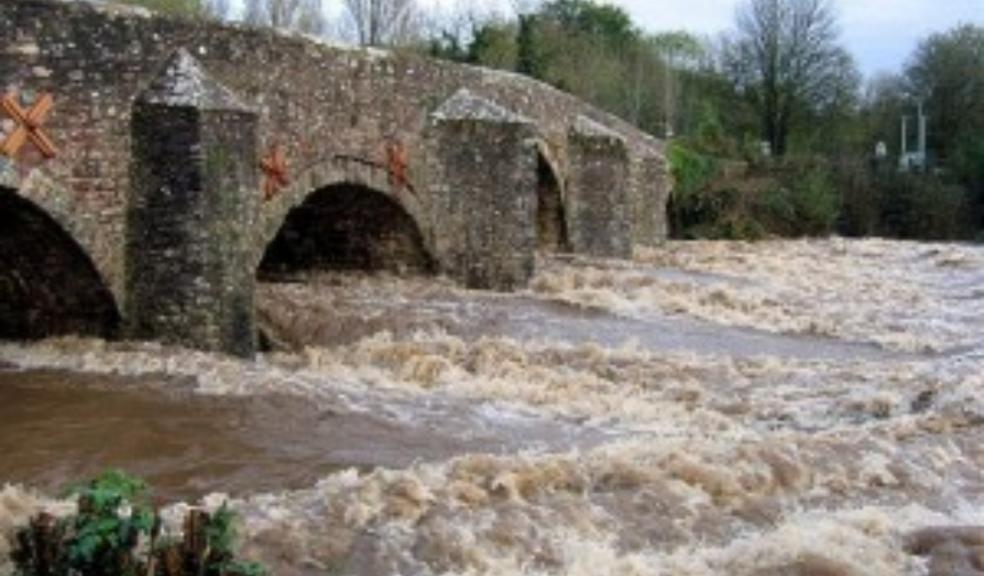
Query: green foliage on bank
[797, 197]
[692, 171]
[115, 532]
[883, 202]
[718, 197]
[822, 177]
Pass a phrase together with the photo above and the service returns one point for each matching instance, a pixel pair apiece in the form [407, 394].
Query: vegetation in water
[115, 532]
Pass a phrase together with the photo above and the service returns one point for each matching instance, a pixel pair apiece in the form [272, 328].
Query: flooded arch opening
[48, 285]
[551, 224]
[346, 228]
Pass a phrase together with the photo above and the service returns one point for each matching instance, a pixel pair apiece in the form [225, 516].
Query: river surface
[779, 408]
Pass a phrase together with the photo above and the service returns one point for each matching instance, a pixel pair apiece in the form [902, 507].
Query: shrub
[691, 170]
[115, 533]
[923, 207]
[795, 198]
[815, 203]
[803, 196]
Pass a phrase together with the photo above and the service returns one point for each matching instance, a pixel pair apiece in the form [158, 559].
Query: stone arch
[68, 211]
[339, 171]
[350, 216]
[551, 212]
[49, 285]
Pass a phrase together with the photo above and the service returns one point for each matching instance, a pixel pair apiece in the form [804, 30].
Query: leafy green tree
[947, 74]
[589, 49]
[607, 22]
[495, 46]
[529, 57]
[947, 71]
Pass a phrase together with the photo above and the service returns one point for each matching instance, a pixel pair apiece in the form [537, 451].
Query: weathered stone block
[483, 175]
[650, 193]
[193, 201]
[597, 191]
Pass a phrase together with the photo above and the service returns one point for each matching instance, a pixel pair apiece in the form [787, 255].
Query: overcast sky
[880, 33]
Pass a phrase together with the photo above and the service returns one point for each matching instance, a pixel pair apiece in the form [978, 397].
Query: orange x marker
[28, 125]
[274, 166]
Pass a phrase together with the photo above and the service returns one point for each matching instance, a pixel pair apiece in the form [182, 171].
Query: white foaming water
[717, 463]
[903, 296]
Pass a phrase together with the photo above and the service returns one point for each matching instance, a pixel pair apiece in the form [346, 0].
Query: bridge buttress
[193, 201]
[483, 178]
[599, 214]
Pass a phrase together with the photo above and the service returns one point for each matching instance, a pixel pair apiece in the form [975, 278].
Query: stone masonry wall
[484, 162]
[191, 210]
[599, 200]
[326, 106]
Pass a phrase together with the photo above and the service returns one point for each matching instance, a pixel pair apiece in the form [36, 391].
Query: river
[776, 408]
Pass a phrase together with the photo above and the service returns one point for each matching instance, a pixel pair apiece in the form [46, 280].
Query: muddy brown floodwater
[783, 408]
[57, 427]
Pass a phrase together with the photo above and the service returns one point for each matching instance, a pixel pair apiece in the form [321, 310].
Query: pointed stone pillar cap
[587, 128]
[464, 105]
[185, 84]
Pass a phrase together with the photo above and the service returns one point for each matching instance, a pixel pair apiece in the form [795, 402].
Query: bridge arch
[346, 214]
[49, 285]
[551, 198]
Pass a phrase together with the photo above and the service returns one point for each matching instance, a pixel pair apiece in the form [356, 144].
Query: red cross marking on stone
[274, 166]
[29, 123]
[397, 164]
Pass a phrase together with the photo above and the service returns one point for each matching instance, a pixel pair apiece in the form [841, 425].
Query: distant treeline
[773, 129]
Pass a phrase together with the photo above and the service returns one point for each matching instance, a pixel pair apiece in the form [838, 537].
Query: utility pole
[917, 158]
[922, 137]
[904, 149]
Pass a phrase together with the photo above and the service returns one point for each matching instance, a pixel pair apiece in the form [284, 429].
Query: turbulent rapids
[781, 408]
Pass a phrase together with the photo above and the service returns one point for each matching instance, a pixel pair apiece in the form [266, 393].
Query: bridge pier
[484, 181]
[599, 214]
[193, 199]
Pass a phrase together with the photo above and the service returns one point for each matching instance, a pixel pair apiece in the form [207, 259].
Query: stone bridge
[187, 159]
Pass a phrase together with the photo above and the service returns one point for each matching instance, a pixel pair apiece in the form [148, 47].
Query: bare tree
[217, 9]
[786, 56]
[382, 22]
[300, 15]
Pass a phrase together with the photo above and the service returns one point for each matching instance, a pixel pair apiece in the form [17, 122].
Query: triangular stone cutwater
[185, 84]
[465, 105]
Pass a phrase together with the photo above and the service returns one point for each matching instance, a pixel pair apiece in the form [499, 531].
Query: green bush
[815, 203]
[923, 207]
[804, 196]
[795, 198]
[101, 535]
[691, 170]
[116, 533]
